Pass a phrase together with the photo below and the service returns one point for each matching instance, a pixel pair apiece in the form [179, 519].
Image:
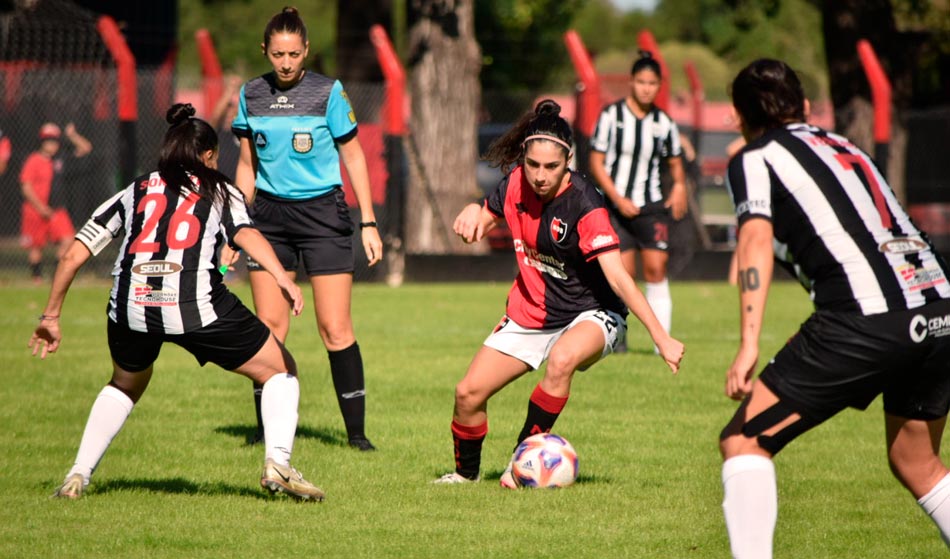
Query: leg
[331, 296]
[35, 259]
[658, 287]
[913, 451]
[274, 311]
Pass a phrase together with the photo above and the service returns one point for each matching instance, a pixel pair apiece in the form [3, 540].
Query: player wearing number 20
[882, 307]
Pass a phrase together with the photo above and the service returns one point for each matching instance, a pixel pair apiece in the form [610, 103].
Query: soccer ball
[544, 460]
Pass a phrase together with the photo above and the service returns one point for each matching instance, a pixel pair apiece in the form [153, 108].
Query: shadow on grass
[329, 437]
[177, 486]
[495, 475]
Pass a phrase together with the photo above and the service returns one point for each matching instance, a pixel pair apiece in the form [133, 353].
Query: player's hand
[672, 351]
[468, 225]
[46, 337]
[372, 245]
[739, 375]
[627, 208]
[228, 257]
[677, 202]
[292, 293]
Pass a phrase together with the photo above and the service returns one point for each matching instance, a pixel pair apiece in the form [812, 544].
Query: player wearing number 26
[167, 288]
[881, 323]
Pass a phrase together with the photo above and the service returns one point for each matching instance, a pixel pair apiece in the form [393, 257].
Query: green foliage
[179, 481]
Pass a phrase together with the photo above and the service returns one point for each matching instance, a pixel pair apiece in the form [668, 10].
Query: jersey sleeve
[28, 172]
[595, 233]
[750, 186]
[495, 202]
[236, 218]
[240, 126]
[603, 133]
[672, 147]
[106, 222]
[341, 119]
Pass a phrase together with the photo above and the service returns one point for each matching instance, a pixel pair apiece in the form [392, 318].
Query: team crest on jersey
[558, 230]
[260, 140]
[303, 142]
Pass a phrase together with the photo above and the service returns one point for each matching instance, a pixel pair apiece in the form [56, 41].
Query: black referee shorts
[840, 360]
[317, 231]
[648, 230]
[229, 342]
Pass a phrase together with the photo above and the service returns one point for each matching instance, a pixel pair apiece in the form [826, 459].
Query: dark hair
[180, 156]
[646, 62]
[545, 121]
[287, 21]
[767, 94]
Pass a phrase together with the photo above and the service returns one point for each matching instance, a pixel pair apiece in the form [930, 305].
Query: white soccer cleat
[454, 478]
[71, 488]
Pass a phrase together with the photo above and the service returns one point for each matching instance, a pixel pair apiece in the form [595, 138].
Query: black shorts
[839, 360]
[648, 230]
[229, 342]
[317, 231]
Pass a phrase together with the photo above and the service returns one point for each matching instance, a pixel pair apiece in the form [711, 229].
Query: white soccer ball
[544, 460]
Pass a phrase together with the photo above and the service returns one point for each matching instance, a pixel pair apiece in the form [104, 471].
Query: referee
[882, 308]
[633, 136]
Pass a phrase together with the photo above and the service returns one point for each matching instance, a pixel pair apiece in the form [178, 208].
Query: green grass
[180, 482]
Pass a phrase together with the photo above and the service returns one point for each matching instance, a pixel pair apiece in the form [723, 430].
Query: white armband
[94, 236]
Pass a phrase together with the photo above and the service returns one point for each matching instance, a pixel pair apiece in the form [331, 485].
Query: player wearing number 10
[882, 308]
[168, 288]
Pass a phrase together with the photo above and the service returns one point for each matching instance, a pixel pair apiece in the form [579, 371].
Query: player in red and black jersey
[567, 305]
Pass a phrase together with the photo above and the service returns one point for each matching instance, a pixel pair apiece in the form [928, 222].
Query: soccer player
[567, 305]
[632, 137]
[295, 126]
[882, 303]
[44, 216]
[167, 288]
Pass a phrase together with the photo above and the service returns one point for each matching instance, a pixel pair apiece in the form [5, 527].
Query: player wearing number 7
[882, 308]
[168, 288]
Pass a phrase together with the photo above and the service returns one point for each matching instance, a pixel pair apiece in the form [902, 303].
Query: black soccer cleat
[361, 443]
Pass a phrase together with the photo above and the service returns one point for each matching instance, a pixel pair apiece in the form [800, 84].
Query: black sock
[258, 389]
[543, 411]
[36, 270]
[468, 448]
[346, 367]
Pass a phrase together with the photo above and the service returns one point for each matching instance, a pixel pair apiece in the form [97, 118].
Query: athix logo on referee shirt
[282, 103]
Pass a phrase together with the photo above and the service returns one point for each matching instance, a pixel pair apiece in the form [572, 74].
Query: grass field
[179, 481]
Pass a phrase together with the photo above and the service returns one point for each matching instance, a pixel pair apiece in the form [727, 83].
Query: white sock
[279, 400]
[750, 504]
[658, 296]
[936, 504]
[107, 416]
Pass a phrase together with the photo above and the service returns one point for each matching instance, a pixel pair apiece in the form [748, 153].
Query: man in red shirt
[44, 217]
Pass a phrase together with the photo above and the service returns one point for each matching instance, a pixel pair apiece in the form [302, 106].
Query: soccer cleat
[453, 479]
[288, 480]
[257, 437]
[361, 443]
[507, 479]
[71, 488]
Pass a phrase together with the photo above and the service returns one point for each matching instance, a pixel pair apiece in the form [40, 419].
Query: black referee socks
[346, 367]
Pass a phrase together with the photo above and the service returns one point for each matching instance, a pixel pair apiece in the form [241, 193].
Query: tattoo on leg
[749, 279]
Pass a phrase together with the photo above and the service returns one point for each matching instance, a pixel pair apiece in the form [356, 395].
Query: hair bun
[178, 113]
[290, 10]
[547, 107]
[645, 54]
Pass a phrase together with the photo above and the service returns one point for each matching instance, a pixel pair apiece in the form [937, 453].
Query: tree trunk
[444, 64]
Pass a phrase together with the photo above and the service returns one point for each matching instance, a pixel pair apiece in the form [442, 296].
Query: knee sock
[468, 448]
[36, 270]
[936, 504]
[750, 505]
[658, 295]
[543, 410]
[346, 367]
[106, 418]
[258, 388]
[279, 399]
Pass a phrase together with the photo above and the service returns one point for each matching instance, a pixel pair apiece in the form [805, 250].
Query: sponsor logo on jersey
[602, 241]
[282, 103]
[303, 142]
[156, 268]
[260, 140]
[558, 230]
[147, 296]
[753, 206]
[903, 245]
[150, 182]
[541, 262]
[921, 327]
[917, 279]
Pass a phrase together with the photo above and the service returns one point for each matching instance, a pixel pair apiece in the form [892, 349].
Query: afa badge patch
[303, 142]
[350, 114]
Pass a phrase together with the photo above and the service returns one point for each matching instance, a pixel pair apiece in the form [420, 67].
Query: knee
[737, 445]
[337, 335]
[654, 274]
[915, 471]
[561, 366]
[468, 397]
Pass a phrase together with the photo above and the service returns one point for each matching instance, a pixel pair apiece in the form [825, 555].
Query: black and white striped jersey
[166, 277]
[837, 224]
[633, 148]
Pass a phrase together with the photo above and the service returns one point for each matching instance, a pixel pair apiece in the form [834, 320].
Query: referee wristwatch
[365, 224]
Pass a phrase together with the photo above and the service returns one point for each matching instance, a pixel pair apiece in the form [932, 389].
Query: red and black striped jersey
[166, 276]
[837, 224]
[557, 244]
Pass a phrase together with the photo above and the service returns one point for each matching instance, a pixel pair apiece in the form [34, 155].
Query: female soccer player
[167, 288]
[631, 139]
[566, 305]
[881, 296]
[294, 127]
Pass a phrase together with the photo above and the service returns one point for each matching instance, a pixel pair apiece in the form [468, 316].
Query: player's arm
[473, 222]
[47, 336]
[246, 173]
[81, 145]
[676, 201]
[623, 285]
[257, 247]
[351, 152]
[598, 170]
[755, 262]
[26, 188]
